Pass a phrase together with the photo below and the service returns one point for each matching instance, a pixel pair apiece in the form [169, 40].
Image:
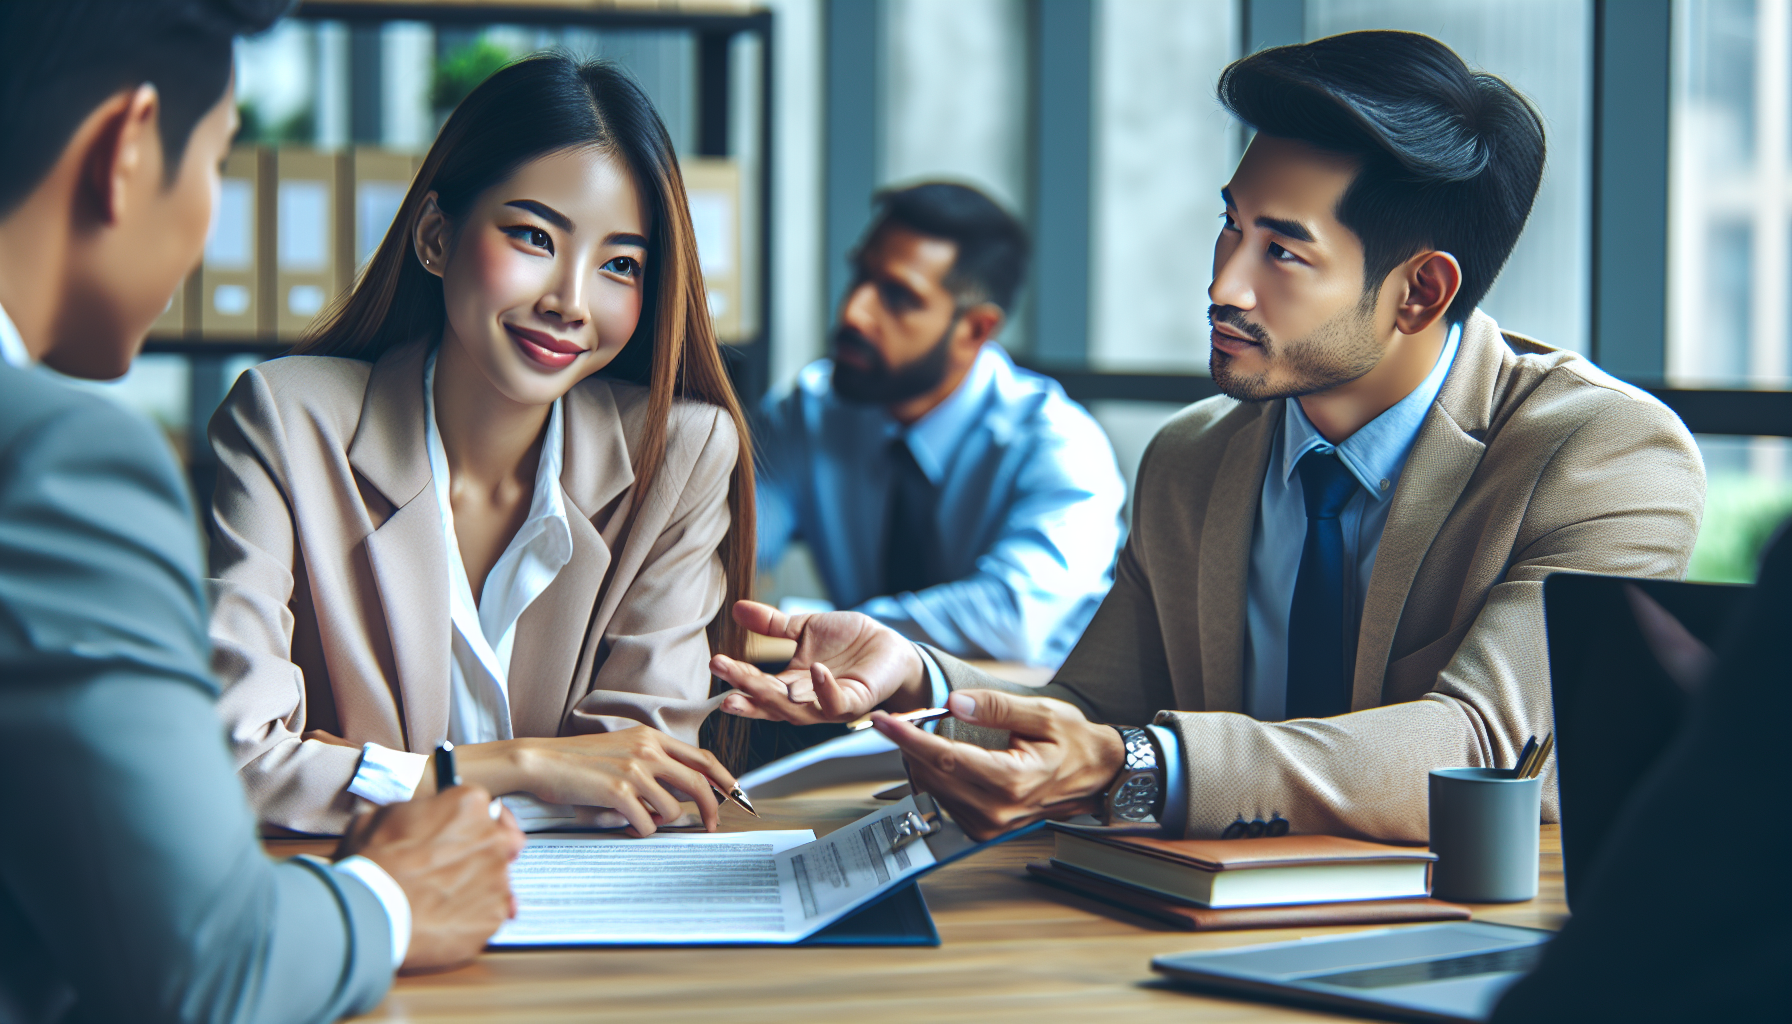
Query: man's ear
[982, 321]
[125, 146]
[430, 239]
[1431, 281]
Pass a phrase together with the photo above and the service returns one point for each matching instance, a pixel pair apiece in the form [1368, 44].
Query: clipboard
[899, 916]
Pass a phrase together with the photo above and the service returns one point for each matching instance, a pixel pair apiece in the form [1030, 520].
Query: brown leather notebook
[1268, 871]
[1233, 854]
[1205, 919]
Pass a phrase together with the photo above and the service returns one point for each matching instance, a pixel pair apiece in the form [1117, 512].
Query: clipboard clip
[911, 826]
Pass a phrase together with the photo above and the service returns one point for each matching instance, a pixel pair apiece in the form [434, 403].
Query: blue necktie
[1320, 641]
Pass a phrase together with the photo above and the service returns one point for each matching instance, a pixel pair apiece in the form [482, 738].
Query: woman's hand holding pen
[846, 664]
[641, 772]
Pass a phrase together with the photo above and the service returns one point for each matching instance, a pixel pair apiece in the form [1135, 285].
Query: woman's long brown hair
[540, 105]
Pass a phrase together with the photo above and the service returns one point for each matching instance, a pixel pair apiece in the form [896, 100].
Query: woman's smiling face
[544, 276]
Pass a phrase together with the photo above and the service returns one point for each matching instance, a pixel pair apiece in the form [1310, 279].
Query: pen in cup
[1524, 756]
[1532, 766]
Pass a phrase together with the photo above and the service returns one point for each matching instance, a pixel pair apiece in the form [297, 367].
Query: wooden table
[1013, 950]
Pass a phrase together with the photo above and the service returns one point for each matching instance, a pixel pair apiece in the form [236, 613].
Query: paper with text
[694, 888]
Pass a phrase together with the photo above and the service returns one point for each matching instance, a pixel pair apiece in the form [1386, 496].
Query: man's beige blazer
[331, 618]
[1530, 461]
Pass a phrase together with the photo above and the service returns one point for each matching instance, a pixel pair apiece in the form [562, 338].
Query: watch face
[1136, 798]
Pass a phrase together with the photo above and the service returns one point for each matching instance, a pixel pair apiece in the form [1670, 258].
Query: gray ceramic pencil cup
[1484, 826]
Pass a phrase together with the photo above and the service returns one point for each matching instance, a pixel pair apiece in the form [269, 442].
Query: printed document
[705, 887]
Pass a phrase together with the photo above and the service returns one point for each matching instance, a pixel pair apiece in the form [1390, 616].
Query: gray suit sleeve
[131, 883]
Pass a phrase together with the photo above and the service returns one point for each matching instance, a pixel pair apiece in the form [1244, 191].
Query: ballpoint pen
[448, 776]
[911, 717]
[738, 795]
[447, 773]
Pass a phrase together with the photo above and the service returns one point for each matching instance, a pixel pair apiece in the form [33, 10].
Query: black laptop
[1621, 671]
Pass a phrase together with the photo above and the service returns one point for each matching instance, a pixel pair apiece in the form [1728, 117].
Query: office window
[1730, 253]
[955, 95]
[1730, 266]
[1163, 150]
[1542, 47]
[1729, 263]
[954, 105]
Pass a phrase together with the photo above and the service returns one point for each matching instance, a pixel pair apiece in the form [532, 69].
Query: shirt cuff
[391, 896]
[1175, 816]
[387, 776]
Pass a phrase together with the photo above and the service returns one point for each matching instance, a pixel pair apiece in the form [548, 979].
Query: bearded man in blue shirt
[963, 502]
[1333, 582]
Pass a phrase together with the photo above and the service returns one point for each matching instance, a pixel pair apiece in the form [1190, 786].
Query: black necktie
[909, 537]
[1320, 641]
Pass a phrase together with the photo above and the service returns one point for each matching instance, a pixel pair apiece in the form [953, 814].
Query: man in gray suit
[131, 883]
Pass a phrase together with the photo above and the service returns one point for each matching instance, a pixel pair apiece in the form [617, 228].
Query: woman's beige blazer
[330, 623]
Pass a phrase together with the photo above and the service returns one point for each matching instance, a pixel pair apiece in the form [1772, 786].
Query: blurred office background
[1661, 244]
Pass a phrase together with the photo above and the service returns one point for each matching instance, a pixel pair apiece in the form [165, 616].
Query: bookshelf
[363, 83]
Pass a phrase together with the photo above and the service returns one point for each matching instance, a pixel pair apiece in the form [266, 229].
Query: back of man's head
[1451, 158]
[60, 59]
[992, 243]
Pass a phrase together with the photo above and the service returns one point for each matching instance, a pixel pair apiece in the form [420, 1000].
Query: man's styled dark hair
[992, 243]
[59, 59]
[1451, 158]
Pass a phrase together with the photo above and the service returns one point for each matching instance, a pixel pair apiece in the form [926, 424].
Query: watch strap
[1141, 749]
[1141, 757]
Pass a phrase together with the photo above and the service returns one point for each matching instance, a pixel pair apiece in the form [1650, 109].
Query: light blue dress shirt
[12, 347]
[1028, 518]
[1376, 456]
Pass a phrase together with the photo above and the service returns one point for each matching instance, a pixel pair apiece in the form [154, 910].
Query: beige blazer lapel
[557, 627]
[407, 552]
[1225, 556]
[1443, 460]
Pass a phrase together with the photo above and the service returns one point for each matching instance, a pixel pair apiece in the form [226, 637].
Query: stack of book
[1219, 884]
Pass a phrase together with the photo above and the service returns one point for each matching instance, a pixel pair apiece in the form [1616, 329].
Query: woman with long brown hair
[502, 493]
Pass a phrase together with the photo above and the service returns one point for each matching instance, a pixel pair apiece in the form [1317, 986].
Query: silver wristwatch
[1136, 796]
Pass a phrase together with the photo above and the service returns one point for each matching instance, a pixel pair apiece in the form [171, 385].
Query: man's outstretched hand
[1058, 763]
[846, 664]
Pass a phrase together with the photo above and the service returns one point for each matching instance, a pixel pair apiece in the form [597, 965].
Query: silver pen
[911, 717]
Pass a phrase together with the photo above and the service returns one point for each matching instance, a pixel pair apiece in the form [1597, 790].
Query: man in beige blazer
[1334, 576]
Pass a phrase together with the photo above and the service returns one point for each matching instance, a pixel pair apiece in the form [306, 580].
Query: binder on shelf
[306, 275]
[379, 180]
[181, 318]
[713, 189]
[231, 303]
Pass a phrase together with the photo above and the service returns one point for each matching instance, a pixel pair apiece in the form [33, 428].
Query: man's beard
[877, 384]
[1337, 352]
